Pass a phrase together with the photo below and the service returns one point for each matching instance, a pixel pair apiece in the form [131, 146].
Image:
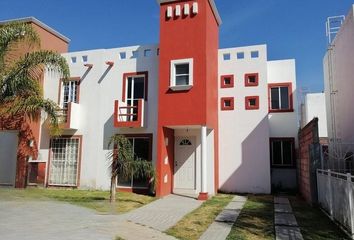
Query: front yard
[97, 200]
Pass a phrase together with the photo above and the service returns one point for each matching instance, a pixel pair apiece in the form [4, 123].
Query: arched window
[185, 142]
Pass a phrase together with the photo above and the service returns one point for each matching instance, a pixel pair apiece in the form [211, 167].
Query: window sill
[181, 87]
[281, 110]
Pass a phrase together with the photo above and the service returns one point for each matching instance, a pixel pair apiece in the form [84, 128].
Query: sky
[290, 28]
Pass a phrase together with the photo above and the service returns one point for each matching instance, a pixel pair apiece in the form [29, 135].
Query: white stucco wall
[99, 89]
[341, 113]
[284, 124]
[315, 107]
[244, 134]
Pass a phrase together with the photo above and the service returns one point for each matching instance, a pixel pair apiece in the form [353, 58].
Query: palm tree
[21, 93]
[124, 163]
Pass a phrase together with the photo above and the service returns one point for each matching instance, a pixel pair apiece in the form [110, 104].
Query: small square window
[252, 102]
[227, 103]
[135, 54]
[122, 55]
[240, 55]
[84, 58]
[227, 56]
[251, 79]
[227, 81]
[73, 59]
[181, 74]
[147, 53]
[254, 54]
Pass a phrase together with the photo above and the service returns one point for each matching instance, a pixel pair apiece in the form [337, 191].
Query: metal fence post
[330, 194]
[351, 203]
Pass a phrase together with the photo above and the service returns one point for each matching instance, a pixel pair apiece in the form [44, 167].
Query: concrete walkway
[39, 220]
[221, 227]
[286, 227]
[163, 213]
[51, 220]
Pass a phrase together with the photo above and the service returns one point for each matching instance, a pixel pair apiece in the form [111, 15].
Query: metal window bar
[333, 25]
[64, 161]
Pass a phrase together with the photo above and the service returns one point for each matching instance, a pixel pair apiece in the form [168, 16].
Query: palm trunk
[113, 189]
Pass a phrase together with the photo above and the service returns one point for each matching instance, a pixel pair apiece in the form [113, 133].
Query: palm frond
[15, 33]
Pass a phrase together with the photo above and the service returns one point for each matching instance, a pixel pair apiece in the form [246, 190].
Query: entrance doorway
[185, 165]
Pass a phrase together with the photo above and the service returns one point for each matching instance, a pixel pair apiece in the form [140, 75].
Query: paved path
[223, 223]
[39, 220]
[286, 227]
[163, 213]
[51, 220]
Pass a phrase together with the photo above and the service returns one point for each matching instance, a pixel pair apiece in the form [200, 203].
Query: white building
[339, 78]
[314, 106]
[209, 119]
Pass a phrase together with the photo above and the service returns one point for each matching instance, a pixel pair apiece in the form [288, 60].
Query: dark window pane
[287, 153]
[274, 98]
[182, 69]
[227, 103]
[276, 152]
[124, 182]
[284, 94]
[141, 150]
[129, 89]
[252, 102]
[182, 80]
[139, 89]
[252, 79]
[227, 81]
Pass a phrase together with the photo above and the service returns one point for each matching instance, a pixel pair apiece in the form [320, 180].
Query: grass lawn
[193, 225]
[97, 200]
[255, 221]
[314, 224]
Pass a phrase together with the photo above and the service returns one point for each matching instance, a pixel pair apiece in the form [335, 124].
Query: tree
[21, 93]
[124, 163]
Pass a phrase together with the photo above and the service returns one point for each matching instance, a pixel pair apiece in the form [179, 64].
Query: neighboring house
[339, 83]
[209, 119]
[314, 106]
[19, 137]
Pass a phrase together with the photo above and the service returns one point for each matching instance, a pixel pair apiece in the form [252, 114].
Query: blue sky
[290, 28]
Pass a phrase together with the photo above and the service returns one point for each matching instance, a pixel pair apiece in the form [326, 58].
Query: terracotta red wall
[180, 38]
[164, 151]
[192, 36]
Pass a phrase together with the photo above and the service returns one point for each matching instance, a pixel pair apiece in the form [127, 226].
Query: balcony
[129, 116]
[70, 118]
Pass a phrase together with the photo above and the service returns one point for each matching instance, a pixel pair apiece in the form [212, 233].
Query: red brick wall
[309, 160]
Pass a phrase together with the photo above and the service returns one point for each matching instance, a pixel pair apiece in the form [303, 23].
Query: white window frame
[279, 96]
[72, 95]
[173, 85]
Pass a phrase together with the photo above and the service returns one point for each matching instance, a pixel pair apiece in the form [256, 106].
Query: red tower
[187, 144]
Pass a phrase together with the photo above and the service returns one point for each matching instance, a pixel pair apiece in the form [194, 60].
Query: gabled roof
[39, 23]
[212, 4]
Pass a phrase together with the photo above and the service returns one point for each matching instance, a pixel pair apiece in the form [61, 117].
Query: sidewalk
[286, 227]
[221, 227]
[149, 221]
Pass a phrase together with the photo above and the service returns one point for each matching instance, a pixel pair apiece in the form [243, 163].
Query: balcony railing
[70, 118]
[126, 115]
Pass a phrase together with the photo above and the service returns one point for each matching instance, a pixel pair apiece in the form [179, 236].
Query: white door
[184, 169]
[8, 157]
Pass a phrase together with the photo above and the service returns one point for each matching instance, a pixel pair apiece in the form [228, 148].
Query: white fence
[336, 197]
